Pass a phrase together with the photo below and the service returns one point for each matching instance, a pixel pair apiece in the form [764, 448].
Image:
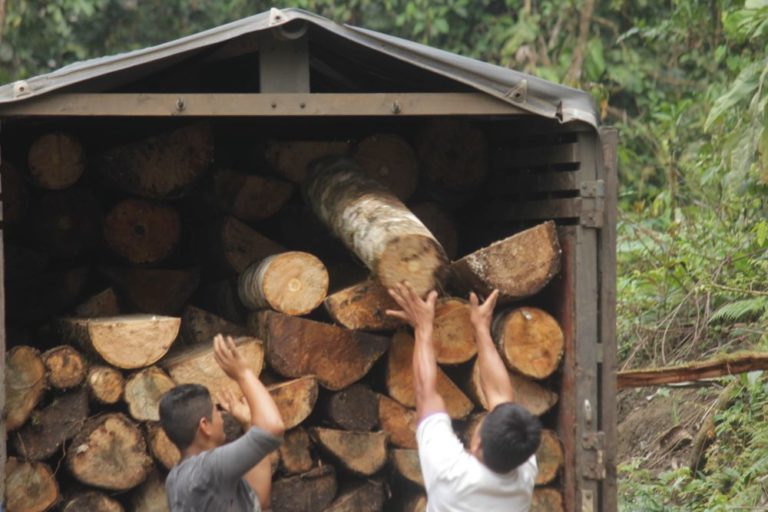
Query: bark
[549, 457]
[367, 496]
[454, 336]
[295, 399]
[294, 283]
[155, 291]
[363, 307]
[399, 422]
[127, 342]
[296, 347]
[103, 303]
[529, 394]
[518, 266]
[106, 384]
[530, 341]
[142, 232]
[160, 447]
[250, 197]
[56, 161]
[143, 391]
[547, 499]
[354, 408]
[295, 456]
[390, 160]
[441, 224]
[309, 492]
[291, 159]
[66, 367]
[25, 382]
[199, 327]
[390, 240]
[711, 368]
[92, 501]
[29, 486]
[363, 453]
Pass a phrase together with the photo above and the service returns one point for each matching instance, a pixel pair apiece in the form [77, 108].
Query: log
[15, 194]
[440, 223]
[399, 422]
[363, 307]
[162, 166]
[48, 429]
[337, 357]
[367, 496]
[199, 327]
[416, 504]
[143, 391]
[150, 496]
[312, 491]
[518, 266]
[390, 160]
[295, 456]
[110, 453]
[547, 500]
[56, 160]
[155, 291]
[406, 464]
[25, 382]
[250, 197]
[66, 223]
[106, 384]
[291, 159]
[103, 303]
[363, 453]
[92, 501]
[529, 394]
[235, 245]
[220, 297]
[530, 341]
[399, 379]
[549, 457]
[38, 298]
[453, 156]
[197, 365]
[162, 449]
[354, 408]
[293, 282]
[128, 341]
[453, 336]
[390, 240]
[65, 366]
[142, 232]
[295, 399]
[29, 486]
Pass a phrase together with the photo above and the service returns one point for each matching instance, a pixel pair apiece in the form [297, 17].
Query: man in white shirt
[498, 472]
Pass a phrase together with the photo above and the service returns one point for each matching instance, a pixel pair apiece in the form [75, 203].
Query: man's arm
[421, 315]
[494, 377]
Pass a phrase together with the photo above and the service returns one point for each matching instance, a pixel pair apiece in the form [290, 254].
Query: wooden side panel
[3, 447]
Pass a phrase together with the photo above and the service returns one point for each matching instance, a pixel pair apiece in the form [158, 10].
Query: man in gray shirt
[213, 476]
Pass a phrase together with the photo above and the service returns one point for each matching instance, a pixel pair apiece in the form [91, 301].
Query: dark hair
[509, 436]
[180, 411]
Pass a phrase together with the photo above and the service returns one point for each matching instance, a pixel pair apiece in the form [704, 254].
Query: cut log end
[56, 161]
[66, 367]
[106, 384]
[142, 232]
[26, 380]
[363, 453]
[528, 394]
[416, 259]
[313, 490]
[530, 341]
[406, 464]
[399, 422]
[354, 408]
[92, 501]
[363, 306]
[295, 456]
[390, 160]
[454, 336]
[249, 197]
[547, 500]
[295, 399]
[162, 448]
[29, 486]
[143, 391]
[549, 457]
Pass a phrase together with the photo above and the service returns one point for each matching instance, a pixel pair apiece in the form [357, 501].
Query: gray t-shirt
[213, 480]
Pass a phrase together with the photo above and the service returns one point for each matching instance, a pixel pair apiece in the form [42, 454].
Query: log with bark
[399, 379]
[56, 160]
[390, 160]
[546, 499]
[295, 399]
[292, 282]
[199, 326]
[363, 307]
[155, 291]
[363, 453]
[66, 367]
[92, 501]
[518, 266]
[529, 394]
[15, 194]
[150, 496]
[161, 166]
[142, 232]
[295, 455]
[249, 197]
[104, 303]
[161, 448]
[197, 365]
[25, 383]
[29, 486]
[143, 391]
[290, 159]
[453, 336]
[398, 421]
[49, 428]
[406, 465]
[234, 245]
[440, 223]
[110, 453]
[392, 242]
[312, 491]
[549, 457]
[367, 496]
[353, 408]
[296, 347]
[127, 342]
[105, 384]
[66, 223]
[529, 340]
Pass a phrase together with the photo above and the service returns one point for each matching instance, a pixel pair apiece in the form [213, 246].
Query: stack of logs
[83, 390]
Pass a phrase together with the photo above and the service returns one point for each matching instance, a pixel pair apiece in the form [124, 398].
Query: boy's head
[507, 437]
[187, 414]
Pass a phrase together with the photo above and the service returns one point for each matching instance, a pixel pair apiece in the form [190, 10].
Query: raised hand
[418, 312]
[237, 408]
[481, 315]
[229, 358]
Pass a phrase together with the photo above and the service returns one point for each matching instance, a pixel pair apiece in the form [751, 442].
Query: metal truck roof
[525, 91]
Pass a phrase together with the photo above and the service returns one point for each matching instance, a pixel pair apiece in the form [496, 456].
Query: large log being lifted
[398, 421]
[25, 382]
[297, 347]
[290, 159]
[367, 496]
[400, 379]
[65, 366]
[250, 197]
[534, 397]
[530, 341]
[312, 491]
[363, 453]
[392, 242]
[109, 453]
[143, 391]
[454, 336]
[363, 307]
[56, 161]
[106, 384]
[153, 290]
[127, 342]
[354, 408]
[142, 232]
[390, 160]
[29, 486]
[295, 399]
[92, 501]
[161, 166]
[293, 282]
[518, 266]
